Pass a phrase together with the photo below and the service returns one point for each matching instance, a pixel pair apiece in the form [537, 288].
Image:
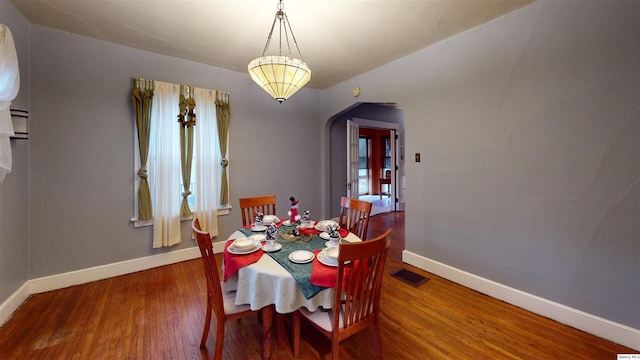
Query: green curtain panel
[142, 99]
[223, 114]
[187, 120]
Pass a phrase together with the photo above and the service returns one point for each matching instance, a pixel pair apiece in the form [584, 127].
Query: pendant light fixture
[280, 75]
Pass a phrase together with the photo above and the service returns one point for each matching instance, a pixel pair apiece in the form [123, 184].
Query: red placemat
[321, 274]
[233, 263]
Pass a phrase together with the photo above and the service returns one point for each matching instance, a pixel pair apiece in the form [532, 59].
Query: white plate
[259, 237]
[258, 228]
[276, 247]
[324, 235]
[301, 256]
[235, 251]
[286, 223]
[324, 225]
[323, 258]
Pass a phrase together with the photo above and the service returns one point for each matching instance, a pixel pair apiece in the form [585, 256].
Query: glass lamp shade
[280, 76]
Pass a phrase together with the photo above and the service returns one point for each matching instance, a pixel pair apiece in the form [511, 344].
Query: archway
[379, 115]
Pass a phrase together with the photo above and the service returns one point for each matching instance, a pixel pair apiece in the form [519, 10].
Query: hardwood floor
[159, 314]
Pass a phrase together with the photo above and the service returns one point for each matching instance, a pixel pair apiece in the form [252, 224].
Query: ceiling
[338, 39]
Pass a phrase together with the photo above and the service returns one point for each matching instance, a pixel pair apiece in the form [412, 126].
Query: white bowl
[332, 252]
[269, 219]
[244, 243]
[324, 225]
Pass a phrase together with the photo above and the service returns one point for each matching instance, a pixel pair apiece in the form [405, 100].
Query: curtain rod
[137, 80]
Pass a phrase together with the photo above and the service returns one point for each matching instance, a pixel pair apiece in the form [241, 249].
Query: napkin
[233, 263]
[321, 274]
[324, 275]
[313, 231]
[309, 231]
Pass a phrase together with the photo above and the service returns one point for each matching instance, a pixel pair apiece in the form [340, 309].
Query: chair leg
[376, 340]
[335, 347]
[295, 333]
[219, 340]
[207, 324]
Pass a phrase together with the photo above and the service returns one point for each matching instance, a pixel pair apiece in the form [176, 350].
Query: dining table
[274, 280]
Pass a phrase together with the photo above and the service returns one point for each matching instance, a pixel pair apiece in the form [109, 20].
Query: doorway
[386, 117]
[376, 166]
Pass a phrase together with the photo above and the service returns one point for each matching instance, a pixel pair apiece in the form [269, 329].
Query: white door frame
[367, 123]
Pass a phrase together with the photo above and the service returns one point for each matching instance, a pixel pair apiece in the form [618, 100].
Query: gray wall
[14, 191]
[529, 131]
[82, 148]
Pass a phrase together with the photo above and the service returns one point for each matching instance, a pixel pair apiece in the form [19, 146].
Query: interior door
[394, 170]
[353, 134]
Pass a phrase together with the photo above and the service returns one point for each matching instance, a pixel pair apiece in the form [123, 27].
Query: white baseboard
[618, 333]
[13, 302]
[59, 281]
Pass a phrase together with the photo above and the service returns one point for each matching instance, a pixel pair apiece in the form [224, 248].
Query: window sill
[142, 223]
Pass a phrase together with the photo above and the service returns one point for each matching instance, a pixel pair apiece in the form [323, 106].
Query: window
[164, 165]
[364, 145]
[386, 156]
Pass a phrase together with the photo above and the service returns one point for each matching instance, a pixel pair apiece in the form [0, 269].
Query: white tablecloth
[266, 282]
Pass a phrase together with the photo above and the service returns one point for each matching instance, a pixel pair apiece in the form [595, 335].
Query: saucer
[324, 235]
[276, 247]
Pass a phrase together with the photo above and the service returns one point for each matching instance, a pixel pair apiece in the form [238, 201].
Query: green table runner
[300, 272]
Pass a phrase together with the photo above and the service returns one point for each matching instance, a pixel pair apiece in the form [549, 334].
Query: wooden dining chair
[354, 216]
[356, 298]
[252, 205]
[222, 304]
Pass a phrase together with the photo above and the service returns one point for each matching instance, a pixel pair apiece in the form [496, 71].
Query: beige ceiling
[339, 39]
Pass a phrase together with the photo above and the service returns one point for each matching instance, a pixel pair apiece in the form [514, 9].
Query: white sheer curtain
[165, 156]
[9, 86]
[207, 160]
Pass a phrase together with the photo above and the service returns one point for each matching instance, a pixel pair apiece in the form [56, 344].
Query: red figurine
[294, 217]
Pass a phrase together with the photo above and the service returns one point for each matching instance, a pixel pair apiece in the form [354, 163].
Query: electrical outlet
[417, 157]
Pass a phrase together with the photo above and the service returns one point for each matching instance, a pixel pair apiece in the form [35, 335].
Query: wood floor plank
[159, 314]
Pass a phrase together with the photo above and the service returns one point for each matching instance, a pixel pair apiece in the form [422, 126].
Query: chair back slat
[252, 205]
[354, 216]
[360, 272]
